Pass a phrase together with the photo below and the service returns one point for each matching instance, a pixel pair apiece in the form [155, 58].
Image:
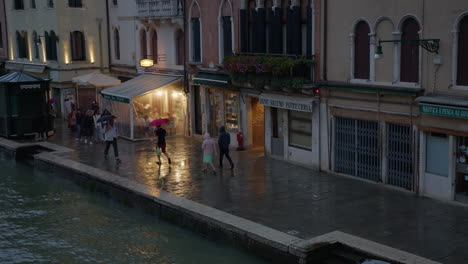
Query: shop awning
[218, 80]
[96, 79]
[443, 105]
[137, 86]
[303, 104]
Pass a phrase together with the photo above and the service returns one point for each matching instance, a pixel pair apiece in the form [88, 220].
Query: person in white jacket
[110, 136]
[98, 135]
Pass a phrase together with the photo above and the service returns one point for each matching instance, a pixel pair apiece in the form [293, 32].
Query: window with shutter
[117, 44]
[180, 47]
[462, 54]
[78, 46]
[33, 4]
[53, 46]
[196, 45]
[19, 4]
[75, 3]
[47, 45]
[154, 46]
[227, 36]
[1, 36]
[19, 43]
[36, 45]
[143, 47]
[361, 51]
[50, 3]
[409, 67]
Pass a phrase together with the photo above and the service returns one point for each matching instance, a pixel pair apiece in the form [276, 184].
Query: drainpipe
[324, 41]
[6, 32]
[108, 36]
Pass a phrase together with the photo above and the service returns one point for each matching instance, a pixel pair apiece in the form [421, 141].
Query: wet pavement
[290, 198]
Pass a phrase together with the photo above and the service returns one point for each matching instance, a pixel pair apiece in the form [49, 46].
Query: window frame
[455, 52]
[408, 44]
[143, 44]
[180, 46]
[291, 131]
[154, 45]
[18, 4]
[78, 46]
[365, 45]
[75, 4]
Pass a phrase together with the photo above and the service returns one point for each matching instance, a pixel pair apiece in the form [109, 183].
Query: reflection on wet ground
[291, 198]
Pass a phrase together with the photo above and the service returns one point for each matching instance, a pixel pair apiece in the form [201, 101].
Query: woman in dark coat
[88, 127]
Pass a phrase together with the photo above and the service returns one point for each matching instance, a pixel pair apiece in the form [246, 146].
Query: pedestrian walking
[161, 143]
[224, 141]
[69, 109]
[98, 135]
[87, 127]
[209, 150]
[79, 120]
[110, 136]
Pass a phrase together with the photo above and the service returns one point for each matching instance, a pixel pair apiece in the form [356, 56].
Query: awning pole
[131, 119]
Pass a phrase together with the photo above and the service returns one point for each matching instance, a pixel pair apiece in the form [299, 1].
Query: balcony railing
[159, 8]
[270, 71]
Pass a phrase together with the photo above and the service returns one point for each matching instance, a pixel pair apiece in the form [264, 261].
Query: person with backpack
[224, 141]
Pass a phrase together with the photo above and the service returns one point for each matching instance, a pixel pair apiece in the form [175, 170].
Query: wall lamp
[431, 45]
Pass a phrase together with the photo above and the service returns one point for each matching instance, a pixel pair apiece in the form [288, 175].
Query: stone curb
[272, 244]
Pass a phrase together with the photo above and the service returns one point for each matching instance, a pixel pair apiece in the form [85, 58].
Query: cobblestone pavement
[291, 198]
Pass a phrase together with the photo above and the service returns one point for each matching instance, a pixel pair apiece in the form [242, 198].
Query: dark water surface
[45, 218]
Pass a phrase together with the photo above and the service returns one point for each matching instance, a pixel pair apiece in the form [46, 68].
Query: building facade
[50, 39]
[393, 96]
[3, 37]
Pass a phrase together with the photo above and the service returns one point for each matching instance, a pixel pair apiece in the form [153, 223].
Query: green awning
[211, 79]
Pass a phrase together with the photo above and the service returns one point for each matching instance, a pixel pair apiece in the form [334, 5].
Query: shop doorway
[198, 110]
[216, 113]
[256, 123]
[461, 170]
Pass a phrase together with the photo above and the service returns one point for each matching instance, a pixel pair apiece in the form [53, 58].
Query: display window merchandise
[232, 111]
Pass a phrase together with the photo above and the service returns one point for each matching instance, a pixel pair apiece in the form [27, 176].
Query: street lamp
[431, 45]
[146, 63]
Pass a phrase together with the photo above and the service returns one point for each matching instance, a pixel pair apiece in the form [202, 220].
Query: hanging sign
[444, 111]
[116, 98]
[296, 104]
[30, 86]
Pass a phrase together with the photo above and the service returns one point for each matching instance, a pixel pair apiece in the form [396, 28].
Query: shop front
[214, 104]
[370, 133]
[444, 147]
[292, 128]
[146, 98]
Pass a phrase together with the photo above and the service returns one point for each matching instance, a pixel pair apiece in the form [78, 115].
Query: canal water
[45, 218]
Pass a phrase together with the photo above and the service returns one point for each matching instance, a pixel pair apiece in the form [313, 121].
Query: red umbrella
[159, 122]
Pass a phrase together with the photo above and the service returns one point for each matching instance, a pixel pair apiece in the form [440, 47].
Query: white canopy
[96, 79]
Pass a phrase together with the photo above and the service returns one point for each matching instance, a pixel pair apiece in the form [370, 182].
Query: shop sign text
[444, 111]
[115, 98]
[286, 105]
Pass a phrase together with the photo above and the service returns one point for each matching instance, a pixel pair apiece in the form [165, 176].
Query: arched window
[180, 47]
[195, 33]
[409, 61]
[36, 45]
[78, 48]
[116, 44]
[462, 52]
[225, 24]
[143, 46]
[53, 45]
[22, 44]
[154, 46]
[361, 51]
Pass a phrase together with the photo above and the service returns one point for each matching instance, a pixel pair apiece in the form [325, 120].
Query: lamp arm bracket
[431, 45]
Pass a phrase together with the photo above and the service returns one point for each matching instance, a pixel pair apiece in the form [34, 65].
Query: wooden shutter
[462, 63]
[83, 46]
[180, 48]
[47, 45]
[117, 44]
[19, 44]
[72, 46]
[196, 53]
[53, 45]
[244, 30]
[409, 68]
[143, 48]
[227, 35]
[361, 51]
[154, 46]
[260, 35]
[296, 42]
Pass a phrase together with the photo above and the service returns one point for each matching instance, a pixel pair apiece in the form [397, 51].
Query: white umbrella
[96, 79]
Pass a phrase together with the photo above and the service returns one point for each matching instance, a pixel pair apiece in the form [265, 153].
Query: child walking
[209, 149]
